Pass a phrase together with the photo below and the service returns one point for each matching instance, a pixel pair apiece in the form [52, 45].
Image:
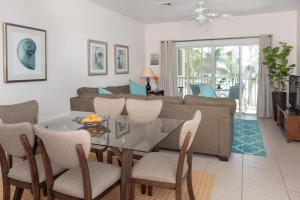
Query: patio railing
[249, 88]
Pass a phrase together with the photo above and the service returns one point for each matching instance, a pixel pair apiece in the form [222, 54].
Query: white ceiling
[147, 11]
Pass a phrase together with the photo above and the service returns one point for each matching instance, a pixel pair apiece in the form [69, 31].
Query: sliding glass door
[231, 71]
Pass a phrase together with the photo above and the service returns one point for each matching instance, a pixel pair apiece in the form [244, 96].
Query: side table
[156, 93]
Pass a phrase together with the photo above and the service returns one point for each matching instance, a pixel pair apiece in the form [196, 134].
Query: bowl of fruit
[92, 120]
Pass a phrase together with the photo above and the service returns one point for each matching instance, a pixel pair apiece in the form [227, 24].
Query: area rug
[202, 184]
[247, 138]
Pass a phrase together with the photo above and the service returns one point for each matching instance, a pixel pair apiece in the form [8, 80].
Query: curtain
[168, 68]
[264, 96]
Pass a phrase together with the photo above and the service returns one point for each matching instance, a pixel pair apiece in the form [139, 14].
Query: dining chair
[18, 140]
[84, 179]
[165, 170]
[143, 109]
[112, 107]
[17, 113]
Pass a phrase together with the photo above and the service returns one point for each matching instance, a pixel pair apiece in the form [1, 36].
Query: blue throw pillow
[207, 91]
[103, 91]
[136, 89]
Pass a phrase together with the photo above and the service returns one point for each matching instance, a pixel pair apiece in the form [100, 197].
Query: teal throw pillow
[136, 89]
[103, 91]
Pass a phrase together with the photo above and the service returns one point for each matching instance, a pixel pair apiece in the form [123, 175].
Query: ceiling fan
[203, 14]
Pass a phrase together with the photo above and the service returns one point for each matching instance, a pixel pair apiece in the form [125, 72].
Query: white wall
[69, 23]
[281, 25]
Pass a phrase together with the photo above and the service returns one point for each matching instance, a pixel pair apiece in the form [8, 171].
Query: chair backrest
[61, 145]
[191, 127]
[195, 90]
[143, 108]
[113, 107]
[10, 137]
[207, 91]
[22, 112]
[234, 92]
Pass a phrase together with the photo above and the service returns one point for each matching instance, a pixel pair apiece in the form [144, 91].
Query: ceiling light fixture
[165, 4]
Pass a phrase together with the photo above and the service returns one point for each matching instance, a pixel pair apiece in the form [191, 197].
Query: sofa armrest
[225, 137]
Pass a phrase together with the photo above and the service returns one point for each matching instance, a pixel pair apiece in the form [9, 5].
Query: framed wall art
[121, 59]
[97, 58]
[25, 56]
[154, 59]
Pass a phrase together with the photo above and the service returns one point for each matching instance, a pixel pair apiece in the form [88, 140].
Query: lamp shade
[147, 73]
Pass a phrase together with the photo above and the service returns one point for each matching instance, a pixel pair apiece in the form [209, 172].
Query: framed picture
[154, 59]
[121, 59]
[97, 58]
[25, 56]
[121, 129]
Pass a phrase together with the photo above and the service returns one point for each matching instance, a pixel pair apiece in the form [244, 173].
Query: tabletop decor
[121, 59]
[156, 79]
[97, 57]
[24, 53]
[148, 73]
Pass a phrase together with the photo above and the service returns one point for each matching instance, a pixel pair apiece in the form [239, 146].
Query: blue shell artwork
[26, 53]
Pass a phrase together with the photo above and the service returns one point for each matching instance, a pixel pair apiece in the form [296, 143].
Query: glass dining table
[123, 135]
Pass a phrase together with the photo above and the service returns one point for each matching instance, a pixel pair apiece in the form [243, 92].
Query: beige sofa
[214, 136]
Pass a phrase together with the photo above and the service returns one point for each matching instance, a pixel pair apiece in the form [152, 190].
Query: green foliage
[276, 59]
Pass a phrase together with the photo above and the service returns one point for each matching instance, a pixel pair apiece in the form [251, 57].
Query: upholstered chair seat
[20, 170]
[167, 170]
[158, 166]
[84, 179]
[103, 176]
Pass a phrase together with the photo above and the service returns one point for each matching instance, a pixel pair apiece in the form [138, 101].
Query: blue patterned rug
[247, 138]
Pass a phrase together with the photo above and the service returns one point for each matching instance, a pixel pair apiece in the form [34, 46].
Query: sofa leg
[223, 158]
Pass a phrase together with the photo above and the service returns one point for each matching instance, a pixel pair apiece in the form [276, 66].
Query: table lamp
[148, 73]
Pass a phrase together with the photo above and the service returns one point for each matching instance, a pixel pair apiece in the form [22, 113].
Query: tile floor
[247, 177]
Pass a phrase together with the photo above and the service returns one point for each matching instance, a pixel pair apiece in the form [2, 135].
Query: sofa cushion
[173, 100]
[129, 96]
[207, 101]
[87, 90]
[118, 89]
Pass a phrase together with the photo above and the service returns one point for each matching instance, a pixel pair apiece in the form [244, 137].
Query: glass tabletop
[141, 134]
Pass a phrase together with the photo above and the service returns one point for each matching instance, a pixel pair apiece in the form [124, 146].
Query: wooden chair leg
[109, 157]
[36, 192]
[143, 189]
[133, 190]
[178, 192]
[6, 190]
[150, 190]
[18, 193]
[45, 190]
[99, 155]
[190, 185]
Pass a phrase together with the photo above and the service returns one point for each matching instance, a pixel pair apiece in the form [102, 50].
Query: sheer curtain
[264, 96]
[168, 68]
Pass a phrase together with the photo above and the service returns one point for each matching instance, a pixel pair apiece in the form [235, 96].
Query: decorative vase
[278, 99]
[156, 85]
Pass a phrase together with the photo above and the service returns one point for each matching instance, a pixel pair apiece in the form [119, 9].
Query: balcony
[247, 103]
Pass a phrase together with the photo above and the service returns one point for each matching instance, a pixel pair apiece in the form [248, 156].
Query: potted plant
[276, 59]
